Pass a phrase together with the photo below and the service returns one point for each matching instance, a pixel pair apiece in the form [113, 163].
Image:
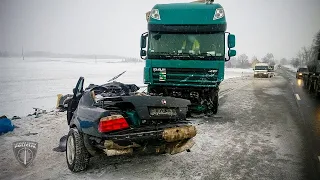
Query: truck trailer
[185, 53]
[311, 77]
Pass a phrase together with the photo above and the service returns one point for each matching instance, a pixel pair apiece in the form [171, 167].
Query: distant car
[301, 71]
[114, 119]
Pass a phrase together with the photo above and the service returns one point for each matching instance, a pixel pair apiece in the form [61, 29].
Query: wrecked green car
[114, 119]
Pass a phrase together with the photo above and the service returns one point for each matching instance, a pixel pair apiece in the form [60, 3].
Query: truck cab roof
[262, 64]
[187, 13]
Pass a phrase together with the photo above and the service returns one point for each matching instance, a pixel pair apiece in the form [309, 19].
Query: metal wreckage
[116, 119]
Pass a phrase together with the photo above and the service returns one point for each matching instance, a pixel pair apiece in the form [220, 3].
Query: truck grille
[185, 76]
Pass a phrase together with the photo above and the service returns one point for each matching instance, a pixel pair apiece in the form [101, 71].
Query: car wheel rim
[70, 149]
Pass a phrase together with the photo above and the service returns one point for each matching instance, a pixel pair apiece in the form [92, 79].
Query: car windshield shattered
[303, 70]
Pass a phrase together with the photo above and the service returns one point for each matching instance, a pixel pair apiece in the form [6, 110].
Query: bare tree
[243, 61]
[295, 62]
[305, 55]
[314, 53]
[283, 61]
[268, 58]
[254, 61]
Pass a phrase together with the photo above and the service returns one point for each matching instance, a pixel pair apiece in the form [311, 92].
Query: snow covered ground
[35, 82]
[291, 68]
[253, 136]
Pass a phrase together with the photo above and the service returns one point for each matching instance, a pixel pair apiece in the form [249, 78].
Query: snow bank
[237, 72]
[290, 68]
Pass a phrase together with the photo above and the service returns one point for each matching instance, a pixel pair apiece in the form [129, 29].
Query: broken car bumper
[173, 141]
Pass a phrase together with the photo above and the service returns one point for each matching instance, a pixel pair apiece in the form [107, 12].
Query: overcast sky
[281, 27]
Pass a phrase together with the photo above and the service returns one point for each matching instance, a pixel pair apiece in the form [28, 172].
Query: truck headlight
[255, 72]
[155, 14]
[218, 14]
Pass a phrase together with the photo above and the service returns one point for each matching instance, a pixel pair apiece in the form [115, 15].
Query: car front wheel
[77, 155]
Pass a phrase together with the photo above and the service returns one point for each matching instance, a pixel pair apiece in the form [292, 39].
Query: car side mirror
[231, 41]
[74, 91]
[232, 53]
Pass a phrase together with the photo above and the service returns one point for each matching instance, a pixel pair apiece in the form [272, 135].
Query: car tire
[77, 155]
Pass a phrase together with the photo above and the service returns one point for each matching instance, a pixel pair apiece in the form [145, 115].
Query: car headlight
[300, 74]
[255, 72]
[265, 73]
[218, 14]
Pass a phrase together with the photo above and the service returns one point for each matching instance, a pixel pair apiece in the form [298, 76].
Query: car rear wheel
[77, 155]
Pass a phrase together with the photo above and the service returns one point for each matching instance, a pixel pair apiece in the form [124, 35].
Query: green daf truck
[185, 50]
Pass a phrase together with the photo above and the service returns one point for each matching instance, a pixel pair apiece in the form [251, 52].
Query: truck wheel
[215, 105]
[310, 89]
[316, 90]
[215, 101]
[305, 85]
[76, 153]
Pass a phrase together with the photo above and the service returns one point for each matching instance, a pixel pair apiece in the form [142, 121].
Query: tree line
[243, 61]
[308, 55]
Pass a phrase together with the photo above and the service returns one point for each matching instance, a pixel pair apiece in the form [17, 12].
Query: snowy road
[257, 134]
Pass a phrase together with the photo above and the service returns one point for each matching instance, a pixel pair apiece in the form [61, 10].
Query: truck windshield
[303, 70]
[186, 46]
[261, 68]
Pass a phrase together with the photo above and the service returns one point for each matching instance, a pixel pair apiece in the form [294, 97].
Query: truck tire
[310, 87]
[215, 101]
[77, 155]
[215, 105]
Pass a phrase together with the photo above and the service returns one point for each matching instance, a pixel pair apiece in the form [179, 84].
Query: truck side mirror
[143, 40]
[231, 41]
[143, 52]
[232, 53]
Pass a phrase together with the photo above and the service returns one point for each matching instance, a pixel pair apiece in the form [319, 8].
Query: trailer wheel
[305, 84]
[77, 155]
[310, 89]
[316, 89]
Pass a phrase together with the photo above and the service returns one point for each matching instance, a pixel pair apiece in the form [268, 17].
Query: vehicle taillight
[112, 123]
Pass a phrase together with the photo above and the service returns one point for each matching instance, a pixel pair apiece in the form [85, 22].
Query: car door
[77, 94]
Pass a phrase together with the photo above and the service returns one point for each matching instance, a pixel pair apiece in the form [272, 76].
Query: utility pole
[22, 54]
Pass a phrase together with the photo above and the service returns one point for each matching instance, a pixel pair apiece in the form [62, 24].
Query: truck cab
[185, 52]
[261, 70]
[301, 71]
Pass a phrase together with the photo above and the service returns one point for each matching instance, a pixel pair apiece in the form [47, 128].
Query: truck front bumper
[261, 75]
